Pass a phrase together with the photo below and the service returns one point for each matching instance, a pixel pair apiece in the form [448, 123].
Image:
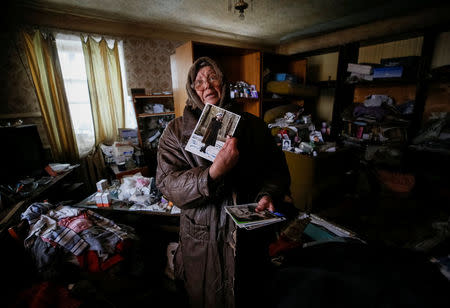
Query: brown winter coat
[205, 259]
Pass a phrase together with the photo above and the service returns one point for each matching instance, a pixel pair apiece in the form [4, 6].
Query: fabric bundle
[75, 235]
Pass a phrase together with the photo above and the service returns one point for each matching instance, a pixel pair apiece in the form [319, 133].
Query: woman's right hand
[225, 160]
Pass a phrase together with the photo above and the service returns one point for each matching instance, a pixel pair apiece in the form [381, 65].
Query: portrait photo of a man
[212, 131]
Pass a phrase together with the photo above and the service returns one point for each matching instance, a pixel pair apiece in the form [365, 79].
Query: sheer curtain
[48, 81]
[105, 88]
[73, 69]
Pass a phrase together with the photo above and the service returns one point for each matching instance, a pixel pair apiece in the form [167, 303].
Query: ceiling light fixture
[239, 6]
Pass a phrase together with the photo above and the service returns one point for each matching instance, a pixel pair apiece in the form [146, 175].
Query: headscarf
[193, 100]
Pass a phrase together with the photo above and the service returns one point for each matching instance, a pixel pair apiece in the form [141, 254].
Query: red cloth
[281, 245]
[46, 295]
[76, 223]
[397, 182]
[91, 262]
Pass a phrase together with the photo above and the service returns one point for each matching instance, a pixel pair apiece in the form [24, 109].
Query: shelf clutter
[294, 130]
[377, 126]
[153, 112]
[400, 68]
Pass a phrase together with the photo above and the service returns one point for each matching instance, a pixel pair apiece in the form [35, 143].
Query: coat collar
[190, 119]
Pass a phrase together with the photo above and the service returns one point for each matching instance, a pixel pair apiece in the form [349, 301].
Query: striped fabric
[68, 239]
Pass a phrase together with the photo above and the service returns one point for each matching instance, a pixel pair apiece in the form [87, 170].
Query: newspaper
[246, 217]
[210, 133]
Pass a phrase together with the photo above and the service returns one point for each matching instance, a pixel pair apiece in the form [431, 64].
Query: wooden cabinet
[298, 91]
[151, 108]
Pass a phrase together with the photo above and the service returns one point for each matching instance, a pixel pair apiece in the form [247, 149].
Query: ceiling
[269, 22]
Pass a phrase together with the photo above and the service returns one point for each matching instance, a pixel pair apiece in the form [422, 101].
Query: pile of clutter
[379, 126]
[296, 132]
[154, 128]
[124, 154]
[242, 89]
[156, 108]
[435, 134]
[138, 192]
[388, 68]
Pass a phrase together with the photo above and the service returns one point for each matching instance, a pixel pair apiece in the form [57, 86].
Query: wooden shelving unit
[140, 100]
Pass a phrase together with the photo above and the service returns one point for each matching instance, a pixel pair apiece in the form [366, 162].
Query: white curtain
[71, 57]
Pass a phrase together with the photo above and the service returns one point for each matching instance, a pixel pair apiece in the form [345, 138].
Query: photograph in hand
[211, 131]
[245, 216]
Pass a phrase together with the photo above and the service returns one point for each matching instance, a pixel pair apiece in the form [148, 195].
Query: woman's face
[208, 86]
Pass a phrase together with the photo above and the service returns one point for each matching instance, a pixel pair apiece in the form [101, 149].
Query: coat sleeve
[184, 185]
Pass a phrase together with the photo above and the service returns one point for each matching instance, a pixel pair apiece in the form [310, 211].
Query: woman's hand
[225, 160]
[265, 203]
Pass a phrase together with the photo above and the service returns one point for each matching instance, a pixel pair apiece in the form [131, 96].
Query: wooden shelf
[388, 82]
[245, 99]
[140, 100]
[154, 96]
[145, 115]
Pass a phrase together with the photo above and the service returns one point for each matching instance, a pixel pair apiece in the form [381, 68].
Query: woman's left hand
[265, 203]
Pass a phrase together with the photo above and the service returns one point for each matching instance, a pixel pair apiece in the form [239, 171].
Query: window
[70, 53]
[73, 69]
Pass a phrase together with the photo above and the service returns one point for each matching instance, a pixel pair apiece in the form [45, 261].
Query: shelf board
[154, 96]
[276, 100]
[245, 99]
[325, 84]
[388, 82]
[146, 115]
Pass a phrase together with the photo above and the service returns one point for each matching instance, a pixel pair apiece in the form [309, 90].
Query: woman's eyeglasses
[200, 84]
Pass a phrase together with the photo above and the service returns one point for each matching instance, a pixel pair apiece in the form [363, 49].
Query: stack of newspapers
[246, 217]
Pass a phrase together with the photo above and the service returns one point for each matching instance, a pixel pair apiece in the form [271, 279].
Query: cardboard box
[359, 68]
[102, 185]
[106, 200]
[98, 199]
[122, 149]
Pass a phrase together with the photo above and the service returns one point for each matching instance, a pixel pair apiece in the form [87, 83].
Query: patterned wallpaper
[16, 87]
[17, 93]
[147, 63]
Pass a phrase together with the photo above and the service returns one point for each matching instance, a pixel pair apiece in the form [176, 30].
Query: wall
[324, 105]
[438, 97]
[147, 63]
[17, 96]
[400, 48]
[323, 68]
[441, 55]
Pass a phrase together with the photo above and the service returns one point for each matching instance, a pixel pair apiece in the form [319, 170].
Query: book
[388, 72]
[319, 230]
[245, 216]
[211, 131]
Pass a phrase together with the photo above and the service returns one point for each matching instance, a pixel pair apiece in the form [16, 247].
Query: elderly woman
[249, 168]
